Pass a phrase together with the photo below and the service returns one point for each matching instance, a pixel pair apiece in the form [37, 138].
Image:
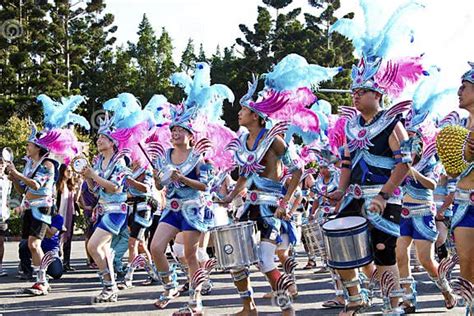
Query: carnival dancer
[106, 180]
[326, 183]
[264, 203]
[417, 224]
[308, 200]
[375, 160]
[37, 182]
[139, 195]
[188, 179]
[456, 150]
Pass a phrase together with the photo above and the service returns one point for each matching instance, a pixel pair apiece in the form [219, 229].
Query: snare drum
[234, 245]
[314, 239]
[347, 242]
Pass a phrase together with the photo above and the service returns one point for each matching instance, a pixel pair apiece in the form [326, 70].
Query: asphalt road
[72, 294]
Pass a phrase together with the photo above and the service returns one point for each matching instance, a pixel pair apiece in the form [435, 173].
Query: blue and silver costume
[322, 189]
[111, 207]
[263, 193]
[418, 219]
[40, 207]
[372, 162]
[186, 207]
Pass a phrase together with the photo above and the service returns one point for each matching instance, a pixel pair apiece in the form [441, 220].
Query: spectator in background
[65, 204]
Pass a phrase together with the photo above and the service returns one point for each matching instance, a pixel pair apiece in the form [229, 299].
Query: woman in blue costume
[106, 180]
[37, 182]
[417, 223]
[139, 198]
[184, 211]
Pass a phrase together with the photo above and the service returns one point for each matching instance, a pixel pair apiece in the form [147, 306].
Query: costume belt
[370, 191]
[464, 197]
[409, 211]
[175, 205]
[110, 208]
[261, 197]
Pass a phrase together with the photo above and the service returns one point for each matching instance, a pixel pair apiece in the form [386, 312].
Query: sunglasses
[359, 92]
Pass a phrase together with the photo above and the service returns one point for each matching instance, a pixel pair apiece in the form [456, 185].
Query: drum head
[344, 223]
[79, 164]
[233, 226]
[7, 154]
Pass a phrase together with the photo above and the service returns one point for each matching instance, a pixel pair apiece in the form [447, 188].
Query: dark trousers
[55, 269]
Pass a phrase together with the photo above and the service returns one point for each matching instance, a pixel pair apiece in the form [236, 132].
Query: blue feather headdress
[202, 97]
[469, 75]
[425, 98]
[60, 114]
[373, 44]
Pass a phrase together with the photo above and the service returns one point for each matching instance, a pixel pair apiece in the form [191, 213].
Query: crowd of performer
[358, 189]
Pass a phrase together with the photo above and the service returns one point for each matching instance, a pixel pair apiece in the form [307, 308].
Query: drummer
[261, 171]
[373, 182]
[326, 183]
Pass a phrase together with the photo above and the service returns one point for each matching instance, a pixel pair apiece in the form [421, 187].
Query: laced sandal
[108, 294]
[164, 300]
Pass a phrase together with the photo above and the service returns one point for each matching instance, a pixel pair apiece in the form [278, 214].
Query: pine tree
[202, 54]
[188, 58]
[166, 64]
[145, 54]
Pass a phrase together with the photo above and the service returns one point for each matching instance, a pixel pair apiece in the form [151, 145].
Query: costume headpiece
[288, 94]
[106, 128]
[418, 119]
[469, 75]
[55, 137]
[272, 102]
[60, 114]
[375, 71]
[202, 97]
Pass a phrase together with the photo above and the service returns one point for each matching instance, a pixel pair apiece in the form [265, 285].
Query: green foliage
[68, 48]
[14, 134]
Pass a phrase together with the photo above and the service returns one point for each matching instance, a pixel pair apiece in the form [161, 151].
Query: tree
[188, 58]
[166, 65]
[145, 54]
[202, 54]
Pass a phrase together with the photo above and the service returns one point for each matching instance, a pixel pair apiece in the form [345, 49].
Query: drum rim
[232, 225]
[345, 229]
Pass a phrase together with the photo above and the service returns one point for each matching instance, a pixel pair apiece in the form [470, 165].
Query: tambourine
[165, 175]
[78, 164]
[7, 154]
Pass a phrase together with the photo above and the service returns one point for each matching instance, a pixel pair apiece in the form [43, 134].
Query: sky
[443, 29]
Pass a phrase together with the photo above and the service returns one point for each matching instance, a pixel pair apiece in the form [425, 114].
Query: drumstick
[146, 155]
